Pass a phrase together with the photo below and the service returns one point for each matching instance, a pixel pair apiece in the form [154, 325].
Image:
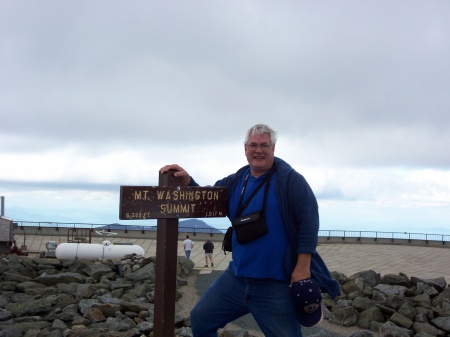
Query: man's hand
[301, 270]
[180, 173]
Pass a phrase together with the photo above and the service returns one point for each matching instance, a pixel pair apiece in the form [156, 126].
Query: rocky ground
[62, 298]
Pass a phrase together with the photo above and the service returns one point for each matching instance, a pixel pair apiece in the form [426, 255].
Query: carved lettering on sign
[147, 202]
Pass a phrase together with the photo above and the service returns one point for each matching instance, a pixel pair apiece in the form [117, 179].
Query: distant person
[187, 245]
[15, 249]
[275, 269]
[208, 246]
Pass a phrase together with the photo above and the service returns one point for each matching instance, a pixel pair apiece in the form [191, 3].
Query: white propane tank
[93, 251]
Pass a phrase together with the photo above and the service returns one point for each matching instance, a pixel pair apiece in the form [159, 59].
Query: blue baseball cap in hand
[307, 300]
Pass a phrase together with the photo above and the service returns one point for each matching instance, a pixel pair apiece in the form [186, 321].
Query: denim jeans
[188, 254]
[231, 297]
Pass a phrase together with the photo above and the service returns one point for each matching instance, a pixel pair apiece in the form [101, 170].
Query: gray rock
[185, 266]
[346, 316]
[375, 326]
[85, 304]
[27, 285]
[47, 263]
[15, 276]
[424, 288]
[20, 297]
[30, 307]
[400, 279]
[400, 320]
[97, 270]
[137, 306]
[185, 332]
[390, 290]
[438, 283]
[341, 303]
[51, 280]
[354, 285]
[394, 301]
[389, 329]
[182, 281]
[18, 329]
[94, 315]
[423, 334]
[428, 328]
[363, 333]
[370, 277]
[108, 309]
[408, 311]
[68, 313]
[137, 291]
[59, 325]
[146, 273]
[354, 294]
[387, 312]
[8, 286]
[363, 303]
[443, 297]
[442, 323]
[84, 332]
[84, 291]
[5, 315]
[369, 315]
[422, 300]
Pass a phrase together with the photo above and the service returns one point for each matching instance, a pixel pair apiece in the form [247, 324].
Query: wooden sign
[157, 202]
[168, 202]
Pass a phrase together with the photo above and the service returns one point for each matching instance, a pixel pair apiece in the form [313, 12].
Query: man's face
[260, 153]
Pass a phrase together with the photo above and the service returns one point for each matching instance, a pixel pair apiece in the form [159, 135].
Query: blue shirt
[263, 257]
[299, 211]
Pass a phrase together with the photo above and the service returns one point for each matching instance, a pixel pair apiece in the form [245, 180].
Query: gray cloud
[105, 92]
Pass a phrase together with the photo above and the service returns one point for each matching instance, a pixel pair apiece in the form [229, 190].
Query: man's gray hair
[260, 129]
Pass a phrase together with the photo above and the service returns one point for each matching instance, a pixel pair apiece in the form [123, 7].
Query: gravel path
[199, 282]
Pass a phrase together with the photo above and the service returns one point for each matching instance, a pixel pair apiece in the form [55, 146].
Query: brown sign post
[169, 202]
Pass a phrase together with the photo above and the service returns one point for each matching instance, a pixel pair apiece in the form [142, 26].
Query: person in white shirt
[188, 244]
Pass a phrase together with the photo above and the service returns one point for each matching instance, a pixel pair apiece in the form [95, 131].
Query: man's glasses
[263, 146]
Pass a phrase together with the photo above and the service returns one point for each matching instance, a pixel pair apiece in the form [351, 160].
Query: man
[208, 247]
[188, 245]
[262, 271]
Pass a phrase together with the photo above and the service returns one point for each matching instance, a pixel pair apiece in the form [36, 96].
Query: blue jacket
[300, 214]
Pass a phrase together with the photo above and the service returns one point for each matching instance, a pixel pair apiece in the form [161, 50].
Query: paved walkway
[424, 262]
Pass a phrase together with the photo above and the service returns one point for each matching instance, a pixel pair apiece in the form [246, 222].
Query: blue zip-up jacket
[299, 211]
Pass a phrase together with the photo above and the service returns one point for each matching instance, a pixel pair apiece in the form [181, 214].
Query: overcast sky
[98, 94]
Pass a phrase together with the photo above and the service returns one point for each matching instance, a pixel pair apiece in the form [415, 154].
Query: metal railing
[322, 233]
[384, 235]
[80, 225]
[110, 227]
